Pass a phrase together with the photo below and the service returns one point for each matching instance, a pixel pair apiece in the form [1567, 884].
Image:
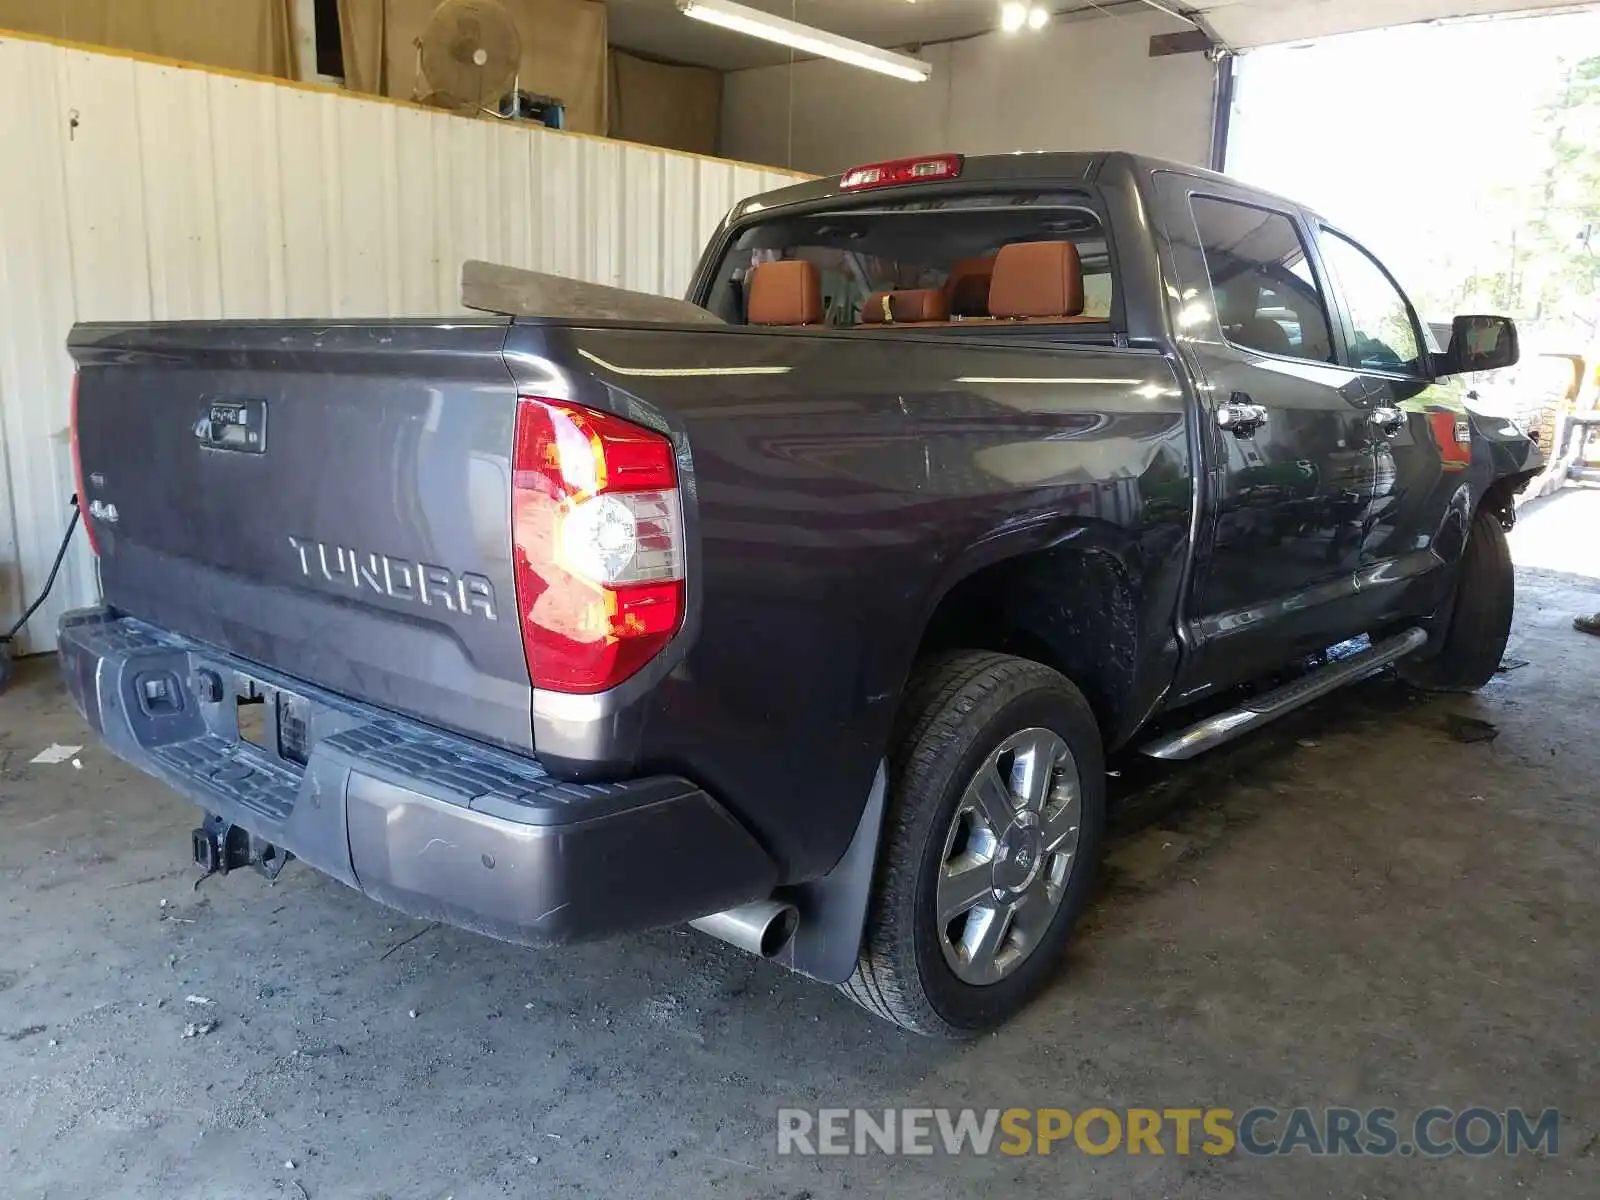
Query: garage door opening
[1467, 156]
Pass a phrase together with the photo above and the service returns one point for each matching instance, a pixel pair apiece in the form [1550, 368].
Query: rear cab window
[883, 264]
[1268, 300]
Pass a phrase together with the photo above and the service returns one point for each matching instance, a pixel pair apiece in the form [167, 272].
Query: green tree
[1566, 228]
[1535, 253]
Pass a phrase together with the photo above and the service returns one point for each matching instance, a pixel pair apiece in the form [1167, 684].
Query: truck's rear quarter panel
[835, 486]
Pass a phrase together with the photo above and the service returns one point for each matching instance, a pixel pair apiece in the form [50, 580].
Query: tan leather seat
[1263, 334]
[1238, 304]
[1033, 283]
[918, 306]
[1038, 282]
[785, 293]
[877, 309]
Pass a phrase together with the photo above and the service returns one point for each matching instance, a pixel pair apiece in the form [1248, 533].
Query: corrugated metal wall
[138, 190]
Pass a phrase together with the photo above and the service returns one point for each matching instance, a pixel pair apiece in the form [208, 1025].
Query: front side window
[1266, 294]
[1384, 334]
[933, 259]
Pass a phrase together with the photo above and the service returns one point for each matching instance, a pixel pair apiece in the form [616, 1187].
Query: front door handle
[1241, 416]
[1387, 421]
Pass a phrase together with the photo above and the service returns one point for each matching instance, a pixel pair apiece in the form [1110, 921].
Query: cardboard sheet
[489, 287]
[243, 35]
[563, 51]
[664, 105]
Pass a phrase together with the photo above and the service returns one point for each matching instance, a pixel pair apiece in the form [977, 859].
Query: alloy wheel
[1010, 849]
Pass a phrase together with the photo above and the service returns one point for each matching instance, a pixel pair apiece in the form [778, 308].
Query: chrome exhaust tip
[763, 928]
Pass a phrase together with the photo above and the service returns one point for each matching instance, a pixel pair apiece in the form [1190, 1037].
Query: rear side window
[1268, 298]
[933, 258]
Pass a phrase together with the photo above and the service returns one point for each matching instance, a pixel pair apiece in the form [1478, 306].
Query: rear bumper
[429, 823]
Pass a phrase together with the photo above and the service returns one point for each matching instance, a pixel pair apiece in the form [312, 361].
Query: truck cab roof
[1017, 168]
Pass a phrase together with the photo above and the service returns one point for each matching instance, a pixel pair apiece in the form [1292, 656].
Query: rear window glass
[923, 245]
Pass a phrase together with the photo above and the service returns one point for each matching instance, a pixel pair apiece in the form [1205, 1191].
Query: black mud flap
[833, 909]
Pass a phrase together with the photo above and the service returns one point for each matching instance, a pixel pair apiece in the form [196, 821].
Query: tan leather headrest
[967, 286]
[786, 293]
[1037, 279]
[900, 308]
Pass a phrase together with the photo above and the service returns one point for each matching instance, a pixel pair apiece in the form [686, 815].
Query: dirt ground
[1350, 908]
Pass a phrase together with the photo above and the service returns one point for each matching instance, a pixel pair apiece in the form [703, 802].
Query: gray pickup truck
[809, 620]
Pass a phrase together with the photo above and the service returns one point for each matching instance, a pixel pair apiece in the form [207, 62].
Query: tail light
[597, 532]
[901, 170]
[77, 473]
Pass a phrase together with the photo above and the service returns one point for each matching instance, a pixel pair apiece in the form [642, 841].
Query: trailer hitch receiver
[221, 847]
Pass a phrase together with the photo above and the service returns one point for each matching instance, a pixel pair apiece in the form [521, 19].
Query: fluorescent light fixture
[805, 38]
[1038, 18]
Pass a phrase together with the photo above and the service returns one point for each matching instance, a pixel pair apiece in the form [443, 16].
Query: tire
[1474, 642]
[960, 709]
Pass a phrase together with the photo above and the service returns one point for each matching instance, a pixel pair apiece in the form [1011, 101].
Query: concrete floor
[1350, 908]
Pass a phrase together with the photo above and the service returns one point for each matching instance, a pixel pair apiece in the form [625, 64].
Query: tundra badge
[396, 578]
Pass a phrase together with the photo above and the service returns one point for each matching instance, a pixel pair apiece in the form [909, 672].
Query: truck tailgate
[331, 501]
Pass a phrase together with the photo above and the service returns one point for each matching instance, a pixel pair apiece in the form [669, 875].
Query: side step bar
[1224, 727]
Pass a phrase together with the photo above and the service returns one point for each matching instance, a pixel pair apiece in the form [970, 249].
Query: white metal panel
[424, 282]
[641, 239]
[300, 157]
[142, 190]
[37, 305]
[249, 224]
[681, 239]
[173, 141]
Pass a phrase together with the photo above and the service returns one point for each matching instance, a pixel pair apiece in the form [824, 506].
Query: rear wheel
[996, 811]
[1480, 620]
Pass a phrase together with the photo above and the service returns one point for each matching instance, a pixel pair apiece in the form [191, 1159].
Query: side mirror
[1480, 344]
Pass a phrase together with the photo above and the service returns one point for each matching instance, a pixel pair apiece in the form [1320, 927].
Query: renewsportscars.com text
[1260, 1132]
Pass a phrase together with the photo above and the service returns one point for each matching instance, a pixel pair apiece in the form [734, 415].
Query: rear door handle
[1387, 421]
[1241, 416]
